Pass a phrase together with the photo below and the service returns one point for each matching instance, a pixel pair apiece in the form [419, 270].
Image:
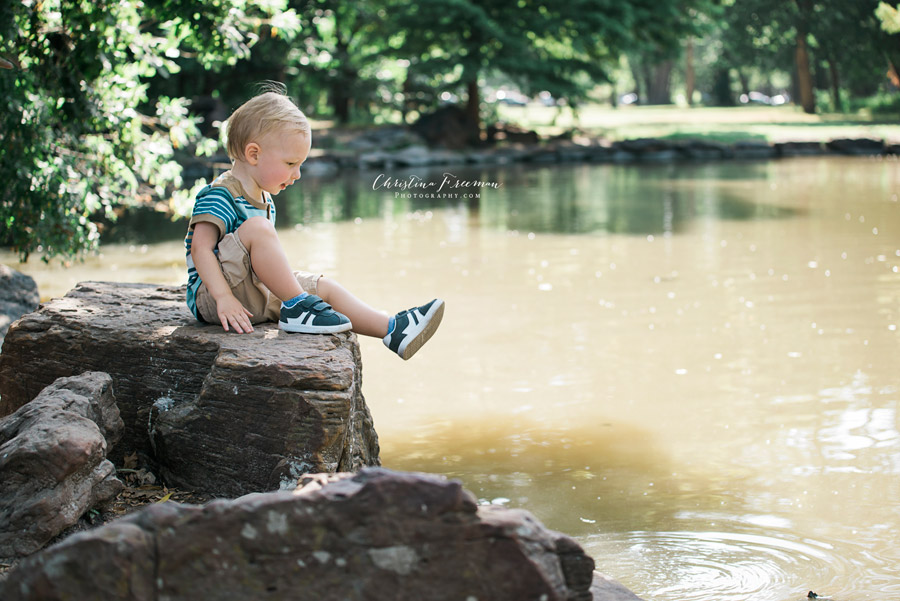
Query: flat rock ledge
[373, 535]
[53, 464]
[217, 412]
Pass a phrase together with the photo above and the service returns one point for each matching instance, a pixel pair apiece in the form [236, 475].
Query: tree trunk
[804, 74]
[473, 109]
[804, 77]
[722, 88]
[659, 83]
[340, 102]
[835, 81]
[645, 72]
[407, 94]
[639, 83]
[689, 76]
[893, 74]
[745, 81]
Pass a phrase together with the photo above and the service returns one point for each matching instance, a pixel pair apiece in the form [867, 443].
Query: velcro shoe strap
[314, 303]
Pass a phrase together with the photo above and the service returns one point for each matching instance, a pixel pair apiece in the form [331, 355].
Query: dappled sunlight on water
[726, 389]
[690, 368]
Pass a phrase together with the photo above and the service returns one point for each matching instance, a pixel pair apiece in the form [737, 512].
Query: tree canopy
[819, 44]
[103, 100]
[80, 135]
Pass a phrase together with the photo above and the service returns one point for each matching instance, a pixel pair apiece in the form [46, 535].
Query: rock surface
[447, 127]
[212, 411]
[857, 146]
[795, 149]
[607, 589]
[18, 296]
[448, 144]
[374, 535]
[53, 465]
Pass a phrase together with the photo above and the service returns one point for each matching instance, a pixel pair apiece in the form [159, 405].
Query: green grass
[760, 123]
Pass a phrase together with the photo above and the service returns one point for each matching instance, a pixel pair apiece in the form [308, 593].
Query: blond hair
[259, 116]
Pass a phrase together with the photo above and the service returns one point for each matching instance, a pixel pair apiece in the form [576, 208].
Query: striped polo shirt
[223, 204]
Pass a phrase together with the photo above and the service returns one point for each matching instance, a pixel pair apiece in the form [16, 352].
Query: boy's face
[278, 159]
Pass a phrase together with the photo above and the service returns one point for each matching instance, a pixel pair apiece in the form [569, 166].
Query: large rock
[649, 149]
[605, 588]
[18, 296]
[798, 149]
[704, 150]
[448, 127]
[53, 465]
[213, 411]
[856, 146]
[751, 149]
[374, 535]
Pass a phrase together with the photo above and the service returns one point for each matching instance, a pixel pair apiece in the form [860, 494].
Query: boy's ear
[251, 153]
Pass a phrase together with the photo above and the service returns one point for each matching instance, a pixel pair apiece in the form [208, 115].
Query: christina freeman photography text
[413, 186]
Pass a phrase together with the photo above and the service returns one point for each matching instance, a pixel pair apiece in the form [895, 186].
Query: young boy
[238, 273]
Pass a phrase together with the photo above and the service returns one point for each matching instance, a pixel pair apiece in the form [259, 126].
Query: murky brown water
[692, 369]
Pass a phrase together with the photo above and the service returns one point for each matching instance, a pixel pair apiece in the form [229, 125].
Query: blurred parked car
[546, 98]
[760, 98]
[511, 97]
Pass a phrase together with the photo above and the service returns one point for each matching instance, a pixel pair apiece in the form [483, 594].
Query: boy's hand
[231, 311]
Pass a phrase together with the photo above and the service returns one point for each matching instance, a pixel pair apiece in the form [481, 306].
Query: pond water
[692, 369]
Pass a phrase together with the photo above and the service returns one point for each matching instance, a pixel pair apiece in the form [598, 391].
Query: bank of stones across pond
[567, 149]
[646, 150]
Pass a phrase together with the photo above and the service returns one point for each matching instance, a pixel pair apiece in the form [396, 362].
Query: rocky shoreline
[398, 146]
[373, 535]
[644, 150]
[209, 411]
[115, 381]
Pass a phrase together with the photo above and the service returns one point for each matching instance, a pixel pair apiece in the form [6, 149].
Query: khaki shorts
[246, 287]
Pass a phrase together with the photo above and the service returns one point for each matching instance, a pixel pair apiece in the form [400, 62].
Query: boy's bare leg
[270, 263]
[366, 320]
[267, 256]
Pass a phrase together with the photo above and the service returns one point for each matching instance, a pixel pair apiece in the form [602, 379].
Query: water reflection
[614, 468]
[849, 429]
[701, 538]
[621, 200]
[861, 424]
[689, 405]
[565, 199]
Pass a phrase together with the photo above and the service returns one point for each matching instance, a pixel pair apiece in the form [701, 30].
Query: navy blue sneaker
[413, 328]
[312, 315]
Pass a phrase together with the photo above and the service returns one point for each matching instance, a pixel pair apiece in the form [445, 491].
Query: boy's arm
[228, 308]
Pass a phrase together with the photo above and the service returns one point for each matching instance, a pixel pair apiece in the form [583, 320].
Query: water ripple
[702, 566]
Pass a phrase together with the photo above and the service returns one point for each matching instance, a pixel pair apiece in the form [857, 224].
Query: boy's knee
[256, 226]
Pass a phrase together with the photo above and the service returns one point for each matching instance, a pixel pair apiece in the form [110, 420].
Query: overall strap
[238, 209]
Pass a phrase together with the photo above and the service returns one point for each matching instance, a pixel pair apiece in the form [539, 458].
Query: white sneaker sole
[432, 320]
[302, 329]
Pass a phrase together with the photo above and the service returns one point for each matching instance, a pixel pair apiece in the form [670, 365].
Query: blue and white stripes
[216, 204]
